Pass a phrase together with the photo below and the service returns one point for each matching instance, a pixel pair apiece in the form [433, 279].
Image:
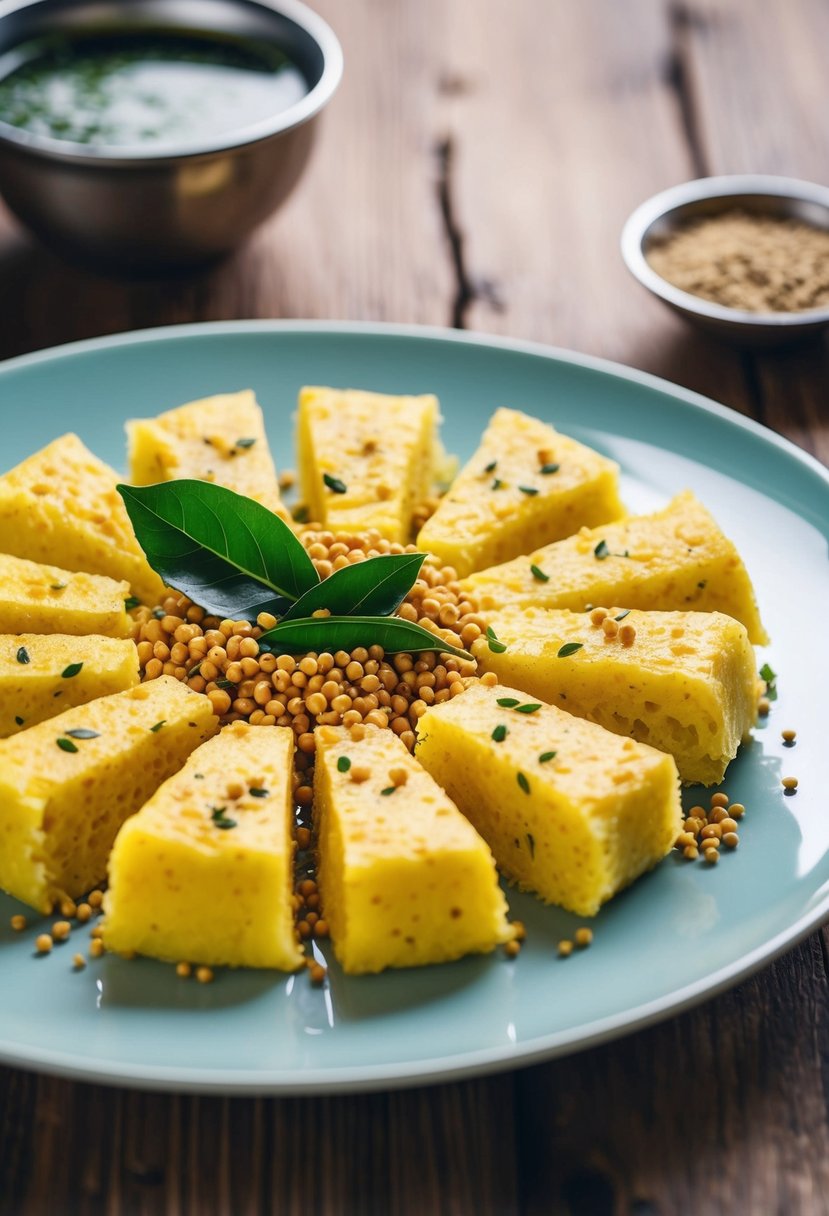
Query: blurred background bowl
[665, 213]
[146, 210]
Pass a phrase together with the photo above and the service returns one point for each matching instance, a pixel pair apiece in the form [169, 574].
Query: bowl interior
[288, 26]
[777, 206]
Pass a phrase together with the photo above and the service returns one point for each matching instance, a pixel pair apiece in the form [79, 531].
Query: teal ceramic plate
[682, 933]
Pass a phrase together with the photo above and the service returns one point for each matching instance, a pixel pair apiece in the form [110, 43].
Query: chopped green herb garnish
[58, 586]
[703, 584]
[500, 733]
[159, 614]
[131, 602]
[601, 551]
[301, 514]
[83, 732]
[388, 790]
[66, 745]
[538, 573]
[622, 614]
[507, 702]
[258, 792]
[568, 648]
[490, 468]
[770, 677]
[531, 844]
[23, 655]
[343, 764]
[545, 756]
[72, 670]
[155, 729]
[19, 721]
[199, 776]
[494, 645]
[194, 671]
[219, 816]
[223, 683]
[244, 443]
[523, 782]
[334, 484]
[531, 490]
[497, 484]
[529, 708]
[550, 468]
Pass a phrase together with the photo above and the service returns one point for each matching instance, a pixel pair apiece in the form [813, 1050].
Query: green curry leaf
[332, 633]
[375, 587]
[231, 555]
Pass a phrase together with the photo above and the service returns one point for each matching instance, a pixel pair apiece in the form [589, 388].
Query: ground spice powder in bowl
[744, 257]
[756, 263]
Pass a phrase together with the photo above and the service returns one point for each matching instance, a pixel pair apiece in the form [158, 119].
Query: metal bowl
[145, 210]
[764, 195]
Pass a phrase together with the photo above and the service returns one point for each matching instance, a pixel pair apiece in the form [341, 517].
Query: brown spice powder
[756, 263]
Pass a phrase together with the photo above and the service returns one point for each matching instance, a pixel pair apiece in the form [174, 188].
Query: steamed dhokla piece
[676, 558]
[62, 506]
[404, 879]
[219, 439]
[68, 784]
[204, 871]
[684, 682]
[366, 460]
[569, 810]
[47, 599]
[526, 485]
[41, 675]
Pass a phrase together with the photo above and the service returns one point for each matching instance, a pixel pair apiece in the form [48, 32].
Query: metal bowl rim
[126, 156]
[639, 223]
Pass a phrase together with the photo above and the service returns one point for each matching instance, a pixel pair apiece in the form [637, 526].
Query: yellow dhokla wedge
[41, 675]
[569, 810]
[204, 871]
[404, 879]
[674, 559]
[526, 485]
[220, 439]
[686, 683]
[67, 785]
[47, 599]
[366, 460]
[61, 506]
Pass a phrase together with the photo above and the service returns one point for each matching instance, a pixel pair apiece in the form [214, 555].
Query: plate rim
[439, 1069]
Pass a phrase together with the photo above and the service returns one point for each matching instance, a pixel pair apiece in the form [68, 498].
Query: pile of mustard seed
[757, 263]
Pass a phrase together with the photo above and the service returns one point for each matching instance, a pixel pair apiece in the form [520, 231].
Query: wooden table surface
[475, 170]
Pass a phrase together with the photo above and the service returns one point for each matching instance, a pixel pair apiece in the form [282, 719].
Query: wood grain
[475, 170]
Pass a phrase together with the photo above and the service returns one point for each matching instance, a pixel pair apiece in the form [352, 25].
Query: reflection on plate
[681, 933]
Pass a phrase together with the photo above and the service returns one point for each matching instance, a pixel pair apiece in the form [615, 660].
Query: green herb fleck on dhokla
[567, 649]
[494, 645]
[334, 484]
[155, 729]
[23, 655]
[343, 764]
[500, 733]
[523, 782]
[507, 702]
[539, 574]
[66, 745]
[72, 670]
[545, 756]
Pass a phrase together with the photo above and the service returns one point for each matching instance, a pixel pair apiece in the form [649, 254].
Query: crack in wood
[754, 385]
[681, 23]
[465, 292]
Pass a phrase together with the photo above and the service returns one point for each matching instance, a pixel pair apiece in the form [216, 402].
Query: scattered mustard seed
[583, 937]
[789, 784]
[184, 971]
[96, 947]
[78, 962]
[512, 949]
[789, 736]
[43, 943]
[204, 975]
[95, 899]
[61, 930]
[719, 800]
[764, 707]
[711, 856]
[68, 908]
[730, 840]
[736, 810]
[519, 930]
[627, 635]
[18, 923]
[317, 973]
[565, 948]
[84, 913]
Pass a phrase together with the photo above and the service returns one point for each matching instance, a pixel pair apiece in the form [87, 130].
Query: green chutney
[144, 90]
